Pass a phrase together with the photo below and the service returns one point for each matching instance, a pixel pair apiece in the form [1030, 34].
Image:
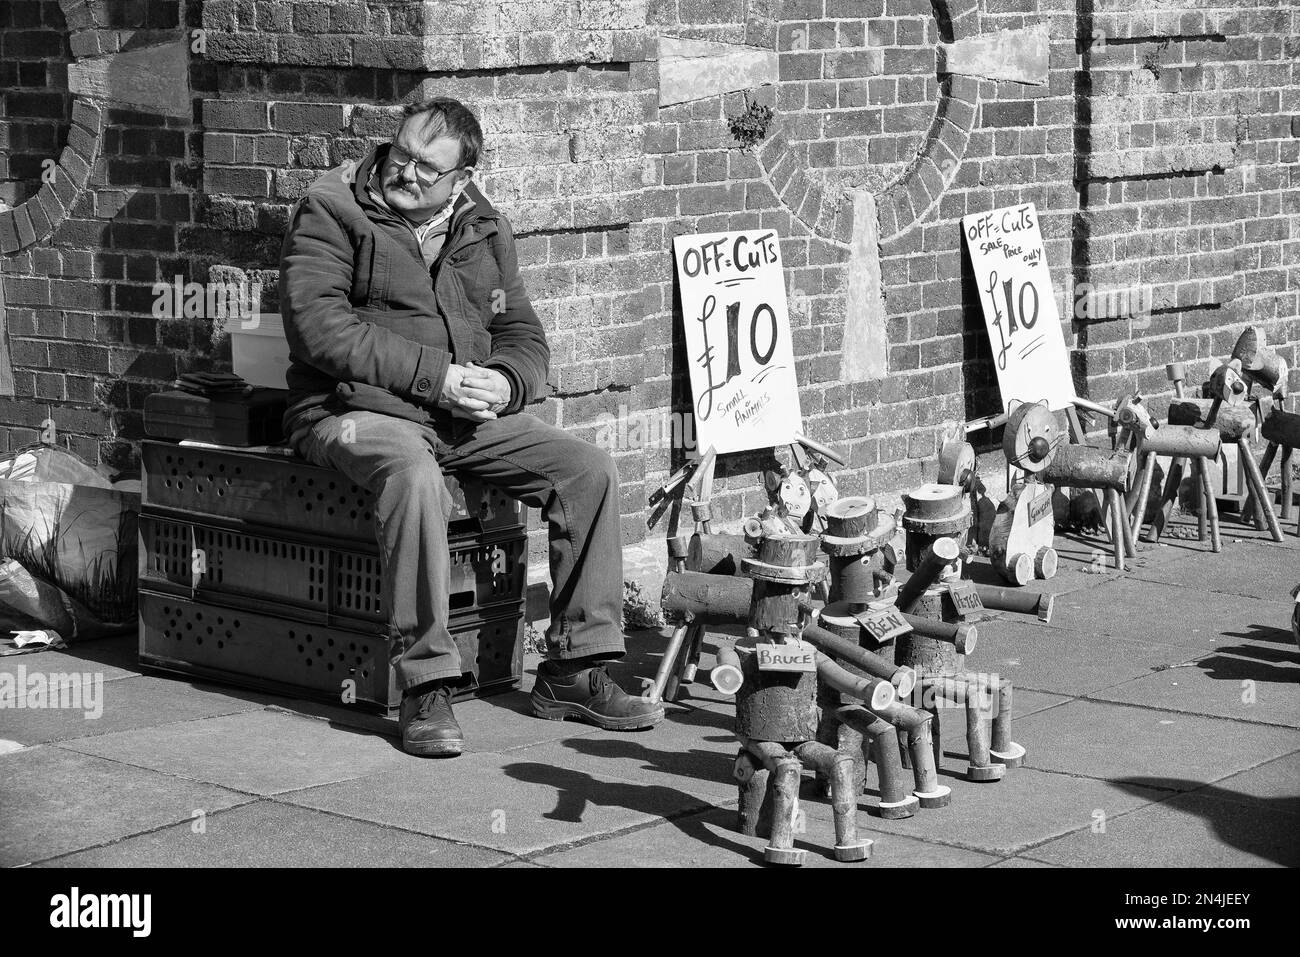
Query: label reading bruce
[791, 656]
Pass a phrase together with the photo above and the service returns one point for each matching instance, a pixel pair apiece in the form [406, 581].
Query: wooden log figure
[1281, 430]
[1020, 542]
[1085, 467]
[1236, 422]
[776, 707]
[939, 604]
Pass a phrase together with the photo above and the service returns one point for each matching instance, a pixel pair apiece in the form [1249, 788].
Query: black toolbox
[239, 420]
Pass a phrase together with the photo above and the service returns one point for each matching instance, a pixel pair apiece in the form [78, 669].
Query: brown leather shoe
[591, 696]
[429, 729]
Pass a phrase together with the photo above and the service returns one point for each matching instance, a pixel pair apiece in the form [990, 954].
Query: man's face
[407, 189]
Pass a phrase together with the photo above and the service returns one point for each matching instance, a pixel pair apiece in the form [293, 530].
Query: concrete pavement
[1160, 710]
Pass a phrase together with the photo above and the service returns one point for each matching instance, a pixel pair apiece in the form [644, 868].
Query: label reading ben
[738, 344]
[791, 656]
[884, 624]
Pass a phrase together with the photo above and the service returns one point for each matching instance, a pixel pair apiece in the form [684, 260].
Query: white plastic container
[259, 349]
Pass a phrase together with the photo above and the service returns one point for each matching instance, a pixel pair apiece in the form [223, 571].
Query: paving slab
[1021, 862]
[1140, 610]
[260, 752]
[1251, 569]
[1275, 783]
[1052, 659]
[512, 802]
[1190, 830]
[115, 657]
[506, 722]
[57, 801]
[1164, 749]
[1245, 682]
[709, 839]
[268, 834]
[137, 701]
[679, 753]
[1046, 806]
[1072, 576]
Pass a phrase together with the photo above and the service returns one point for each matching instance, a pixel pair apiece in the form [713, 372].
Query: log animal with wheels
[1020, 541]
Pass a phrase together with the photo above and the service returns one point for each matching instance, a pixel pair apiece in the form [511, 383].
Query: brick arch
[36, 219]
[829, 212]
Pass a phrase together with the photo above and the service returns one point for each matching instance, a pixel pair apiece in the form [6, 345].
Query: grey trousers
[574, 483]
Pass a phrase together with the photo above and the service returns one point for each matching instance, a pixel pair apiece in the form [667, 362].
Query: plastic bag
[67, 526]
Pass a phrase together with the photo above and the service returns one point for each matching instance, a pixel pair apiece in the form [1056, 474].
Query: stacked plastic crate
[263, 570]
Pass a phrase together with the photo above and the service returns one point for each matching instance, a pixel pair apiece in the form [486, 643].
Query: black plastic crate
[287, 492]
[304, 660]
[323, 583]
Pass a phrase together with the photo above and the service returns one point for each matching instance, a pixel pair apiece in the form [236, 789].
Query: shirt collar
[422, 229]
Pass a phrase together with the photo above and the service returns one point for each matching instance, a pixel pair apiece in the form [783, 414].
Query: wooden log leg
[752, 780]
[1144, 492]
[1003, 749]
[895, 802]
[1265, 504]
[1254, 504]
[1126, 530]
[785, 806]
[688, 657]
[669, 660]
[695, 641]
[1288, 492]
[1211, 506]
[1117, 525]
[1201, 478]
[844, 804]
[1168, 499]
[844, 799]
[926, 786]
[979, 732]
[1265, 466]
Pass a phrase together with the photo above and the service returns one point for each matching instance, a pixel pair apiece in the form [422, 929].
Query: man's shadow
[698, 818]
[1235, 818]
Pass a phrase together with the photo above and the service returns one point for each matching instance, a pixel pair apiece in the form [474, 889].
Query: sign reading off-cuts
[1015, 289]
[738, 342]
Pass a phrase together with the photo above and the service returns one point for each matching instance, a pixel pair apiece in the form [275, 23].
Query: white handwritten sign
[738, 342]
[1015, 288]
[792, 656]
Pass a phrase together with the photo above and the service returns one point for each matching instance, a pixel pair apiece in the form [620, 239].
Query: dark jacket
[370, 327]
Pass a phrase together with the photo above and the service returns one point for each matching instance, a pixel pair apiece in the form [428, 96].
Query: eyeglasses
[426, 173]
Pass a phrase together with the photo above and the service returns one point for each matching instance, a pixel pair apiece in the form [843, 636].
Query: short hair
[448, 117]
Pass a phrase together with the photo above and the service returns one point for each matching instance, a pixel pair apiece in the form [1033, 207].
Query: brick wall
[1159, 146]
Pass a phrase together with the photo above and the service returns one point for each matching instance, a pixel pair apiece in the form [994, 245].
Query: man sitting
[414, 347]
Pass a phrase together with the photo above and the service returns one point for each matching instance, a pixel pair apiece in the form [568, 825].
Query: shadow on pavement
[1235, 818]
[576, 790]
